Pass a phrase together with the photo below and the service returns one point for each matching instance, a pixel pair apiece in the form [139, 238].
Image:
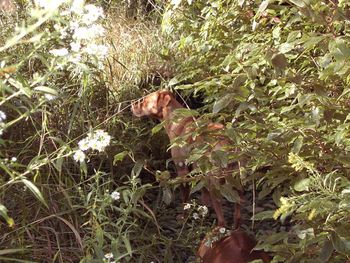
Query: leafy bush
[277, 73]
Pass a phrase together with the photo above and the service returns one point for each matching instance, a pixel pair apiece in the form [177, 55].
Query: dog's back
[235, 248]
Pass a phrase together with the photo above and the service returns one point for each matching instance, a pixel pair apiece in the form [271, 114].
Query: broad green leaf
[25, 90]
[46, 90]
[137, 169]
[298, 143]
[309, 42]
[32, 187]
[229, 193]
[157, 128]
[263, 215]
[326, 251]
[302, 185]
[119, 157]
[222, 103]
[340, 244]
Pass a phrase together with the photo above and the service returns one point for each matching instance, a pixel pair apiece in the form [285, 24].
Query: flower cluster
[115, 195]
[109, 258]
[201, 210]
[81, 30]
[97, 140]
[216, 234]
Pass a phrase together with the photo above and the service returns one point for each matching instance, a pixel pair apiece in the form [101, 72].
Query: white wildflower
[187, 206]
[115, 195]
[13, 159]
[97, 140]
[99, 51]
[93, 13]
[79, 156]
[77, 6]
[84, 144]
[94, 145]
[88, 33]
[100, 140]
[75, 46]
[203, 210]
[2, 116]
[74, 25]
[75, 59]
[49, 4]
[59, 52]
[195, 216]
[222, 230]
[50, 97]
[1, 131]
[109, 255]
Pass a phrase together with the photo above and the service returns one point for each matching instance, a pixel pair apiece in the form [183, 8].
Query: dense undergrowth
[83, 181]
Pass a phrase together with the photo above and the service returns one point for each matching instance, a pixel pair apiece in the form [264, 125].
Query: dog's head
[152, 105]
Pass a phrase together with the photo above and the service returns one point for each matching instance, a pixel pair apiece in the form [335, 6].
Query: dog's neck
[174, 129]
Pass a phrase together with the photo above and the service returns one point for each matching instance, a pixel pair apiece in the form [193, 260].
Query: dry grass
[135, 53]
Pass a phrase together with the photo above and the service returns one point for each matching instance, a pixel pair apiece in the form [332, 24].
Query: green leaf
[46, 90]
[127, 244]
[4, 214]
[312, 41]
[264, 215]
[326, 251]
[25, 90]
[157, 128]
[299, 3]
[34, 190]
[229, 193]
[298, 143]
[220, 158]
[302, 185]
[137, 169]
[340, 244]
[119, 157]
[262, 7]
[222, 103]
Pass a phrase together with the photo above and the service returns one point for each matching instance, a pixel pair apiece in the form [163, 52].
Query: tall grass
[57, 205]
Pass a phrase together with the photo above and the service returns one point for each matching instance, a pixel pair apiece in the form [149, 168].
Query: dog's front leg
[215, 200]
[182, 171]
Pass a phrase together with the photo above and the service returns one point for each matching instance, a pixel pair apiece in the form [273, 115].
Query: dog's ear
[165, 99]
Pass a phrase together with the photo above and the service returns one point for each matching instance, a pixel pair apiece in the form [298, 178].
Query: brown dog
[237, 247]
[161, 105]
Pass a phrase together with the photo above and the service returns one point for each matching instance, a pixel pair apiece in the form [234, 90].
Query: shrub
[277, 73]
